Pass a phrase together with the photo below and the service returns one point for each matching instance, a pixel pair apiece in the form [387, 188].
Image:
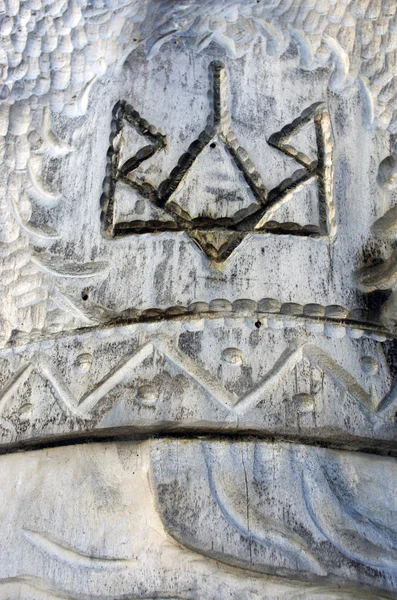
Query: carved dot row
[334, 321]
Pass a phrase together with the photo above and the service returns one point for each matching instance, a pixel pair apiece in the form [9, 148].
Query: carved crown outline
[218, 237]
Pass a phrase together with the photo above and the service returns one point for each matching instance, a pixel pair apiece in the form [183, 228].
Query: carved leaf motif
[39, 234]
[80, 105]
[37, 191]
[344, 507]
[341, 64]
[52, 146]
[57, 268]
[242, 511]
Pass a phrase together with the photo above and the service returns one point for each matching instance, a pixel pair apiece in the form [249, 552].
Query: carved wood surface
[197, 270]
[197, 519]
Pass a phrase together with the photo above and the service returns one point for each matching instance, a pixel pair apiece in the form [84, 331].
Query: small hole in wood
[213, 145]
[258, 324]
[84, 295]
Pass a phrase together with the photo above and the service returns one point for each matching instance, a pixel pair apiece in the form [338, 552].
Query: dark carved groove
[244, 221]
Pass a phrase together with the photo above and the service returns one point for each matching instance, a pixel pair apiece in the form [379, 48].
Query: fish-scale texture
[52, 49]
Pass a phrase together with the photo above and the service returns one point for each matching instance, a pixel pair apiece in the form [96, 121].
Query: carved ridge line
[19, 379]
[341, 376]
[34, 585]
[55, 549]
[81, 408]
[354, 328]
[273, 534]
[60, 388]
[287, 361]
[389, 401]
[335, 520]
[348, 442]
[283, 365]
[43, 591]
[201, 376]
[88, 402]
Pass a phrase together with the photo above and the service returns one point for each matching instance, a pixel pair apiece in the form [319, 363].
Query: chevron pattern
[82, 407]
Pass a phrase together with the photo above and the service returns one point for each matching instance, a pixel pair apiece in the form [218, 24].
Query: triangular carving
[228, 192]
[156, 141]
[304, 140]
[281, 139]
[214, 187]
[217, 244]
[126, 170]
[299, 208]
[138, 211]
[316, 160]
[88, 403]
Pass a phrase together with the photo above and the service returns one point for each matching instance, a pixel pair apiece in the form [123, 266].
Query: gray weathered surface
[280, 508]
[213, 373]
[120, 530]
[198, 211]
[237, 131]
